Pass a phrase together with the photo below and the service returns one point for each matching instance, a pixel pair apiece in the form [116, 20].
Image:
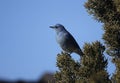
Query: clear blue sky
[27, 45]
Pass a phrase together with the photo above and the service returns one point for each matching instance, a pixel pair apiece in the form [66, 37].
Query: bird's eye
[56, 27]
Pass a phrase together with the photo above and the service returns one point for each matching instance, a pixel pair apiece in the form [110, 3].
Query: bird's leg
[64, 52]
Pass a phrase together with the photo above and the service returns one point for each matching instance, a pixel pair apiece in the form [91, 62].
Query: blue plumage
[66, 40]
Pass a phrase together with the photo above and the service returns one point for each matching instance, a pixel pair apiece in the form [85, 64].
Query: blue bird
[66, 40]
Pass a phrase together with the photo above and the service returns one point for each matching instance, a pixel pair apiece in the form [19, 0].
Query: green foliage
[93, 63]
[112, 39]
[117, 3]
[93, 58]
[100, 77]
[103, 10]
[92, 66]
[116, 76]
[108, 12]
[68, 69]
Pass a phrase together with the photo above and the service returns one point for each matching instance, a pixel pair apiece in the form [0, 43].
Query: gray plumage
[66, 40]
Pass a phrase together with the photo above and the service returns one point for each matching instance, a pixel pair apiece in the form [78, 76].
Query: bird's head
[58, 27]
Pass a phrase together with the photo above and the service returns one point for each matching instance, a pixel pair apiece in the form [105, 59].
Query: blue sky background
[27, 45]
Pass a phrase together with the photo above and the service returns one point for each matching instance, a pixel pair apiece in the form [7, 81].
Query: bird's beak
[52, 26]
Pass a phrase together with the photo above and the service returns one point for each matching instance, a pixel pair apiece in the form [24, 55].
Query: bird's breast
[61, 37]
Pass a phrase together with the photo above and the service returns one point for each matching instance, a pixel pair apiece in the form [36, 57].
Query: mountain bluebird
[66, 40]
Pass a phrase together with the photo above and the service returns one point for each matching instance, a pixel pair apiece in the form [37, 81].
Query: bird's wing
[71, 42]
[72, 45]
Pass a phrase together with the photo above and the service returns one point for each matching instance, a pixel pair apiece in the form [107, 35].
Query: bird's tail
[79, 51]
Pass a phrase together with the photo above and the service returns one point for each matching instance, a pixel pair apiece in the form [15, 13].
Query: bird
[66, 40]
